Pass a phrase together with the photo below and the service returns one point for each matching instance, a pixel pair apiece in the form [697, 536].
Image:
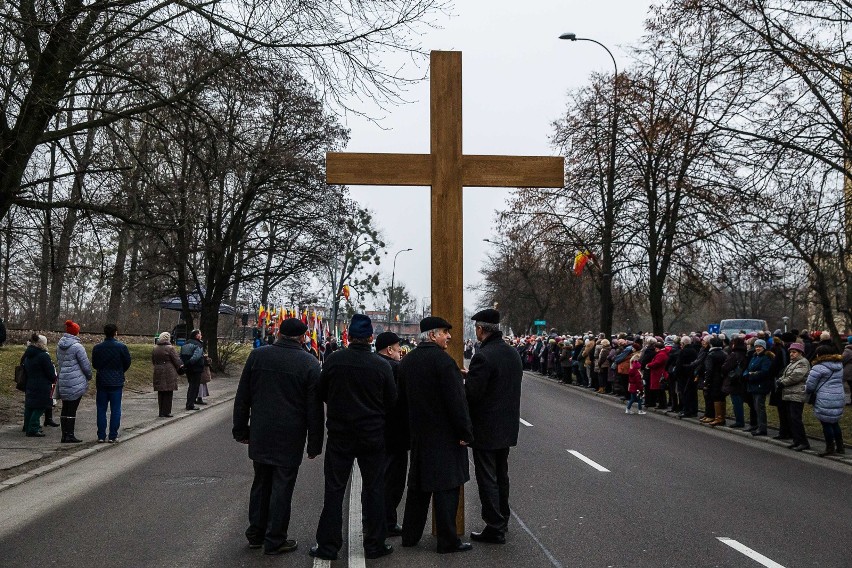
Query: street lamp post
[609, 207]
[393, 274]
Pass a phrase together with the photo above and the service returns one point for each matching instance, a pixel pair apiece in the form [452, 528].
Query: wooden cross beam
[447, 170]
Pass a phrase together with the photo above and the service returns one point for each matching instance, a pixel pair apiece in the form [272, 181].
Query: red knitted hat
[71, 327]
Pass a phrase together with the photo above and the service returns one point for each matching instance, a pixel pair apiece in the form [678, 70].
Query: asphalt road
[178, 497]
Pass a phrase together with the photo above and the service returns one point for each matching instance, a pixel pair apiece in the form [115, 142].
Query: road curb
[92, 450]
[614, 401]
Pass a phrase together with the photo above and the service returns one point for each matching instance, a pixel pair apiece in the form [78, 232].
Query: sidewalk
[22, 458]
[816, 443]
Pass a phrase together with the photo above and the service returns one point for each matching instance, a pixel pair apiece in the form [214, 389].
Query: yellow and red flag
[580, 261]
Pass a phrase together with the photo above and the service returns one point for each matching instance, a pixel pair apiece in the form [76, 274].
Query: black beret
[360, 327]
[434, 322]
[488, 315]
[291, 327]
[386, 339]
[788, 337]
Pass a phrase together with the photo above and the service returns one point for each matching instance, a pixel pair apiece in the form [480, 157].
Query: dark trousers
[192, 389]
[339, 459]
[396, 466]
[709, 409]
[784, 430]
[164, 402]
[674, 399]
[269, 504]
[417, 507]
[760, 409]
[690, 398]
[108, 396]
[831, 431]
[797, 427]
[32, 419]
[492, 477]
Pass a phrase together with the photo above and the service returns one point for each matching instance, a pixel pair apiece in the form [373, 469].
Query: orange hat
[71, 327]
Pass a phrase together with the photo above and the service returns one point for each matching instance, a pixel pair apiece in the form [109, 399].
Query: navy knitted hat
[360, 327]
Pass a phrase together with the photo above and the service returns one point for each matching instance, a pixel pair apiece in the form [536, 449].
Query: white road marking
[525, 423]
[356, 535]
[592, 463]
[753, 554]
[544, 549]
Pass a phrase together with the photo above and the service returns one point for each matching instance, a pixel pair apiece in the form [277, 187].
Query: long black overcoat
[277, 394]
[397, 431]
[438, 418]
[493, 389]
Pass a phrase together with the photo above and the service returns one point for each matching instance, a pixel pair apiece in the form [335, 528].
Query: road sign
[540, 322]
[713, 328]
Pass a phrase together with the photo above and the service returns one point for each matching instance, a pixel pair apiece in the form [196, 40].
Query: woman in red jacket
[657, 368]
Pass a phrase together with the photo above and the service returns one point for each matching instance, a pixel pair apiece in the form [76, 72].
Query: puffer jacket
[75, 371]
[826, 379]
[111, 359]
[793, 380]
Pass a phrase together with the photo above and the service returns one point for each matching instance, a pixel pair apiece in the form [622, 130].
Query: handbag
[812, 398]
[20, 378]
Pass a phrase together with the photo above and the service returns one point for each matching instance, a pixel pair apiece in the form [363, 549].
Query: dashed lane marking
[525, 423]
[592, 463]
[753, 554]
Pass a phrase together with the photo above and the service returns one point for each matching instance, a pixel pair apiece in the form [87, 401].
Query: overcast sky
[516, 75]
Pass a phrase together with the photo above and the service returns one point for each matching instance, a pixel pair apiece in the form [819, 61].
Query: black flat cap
[386, 339]
[434, 322]
[291, 327]
[488, 315]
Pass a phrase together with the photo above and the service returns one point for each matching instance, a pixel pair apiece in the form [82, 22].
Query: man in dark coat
[192, 355]
[111, 359]
[359, 390]
[493, 389]
[440, 433]
[397, 434]
[278, 393]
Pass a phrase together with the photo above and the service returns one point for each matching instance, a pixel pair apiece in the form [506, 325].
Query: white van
[731, 326]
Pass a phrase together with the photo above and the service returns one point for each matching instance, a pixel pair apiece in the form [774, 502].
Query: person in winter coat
[714, 379]
[826, 380]
[441, 430]
[684, 375]
[672, 371]
[192, 356]
[657, 370]
[40, 377]
[758, 377]
[75, 372]
[635, 386]
[207, 376]
[565, 361]
[732, 383]
[111, 359]
[792, 384]
[493, 390]
[167, 366]
[782, 359]
[621, 362]
[847, 364]
[602, 366]
[276, 411]
[586, 361]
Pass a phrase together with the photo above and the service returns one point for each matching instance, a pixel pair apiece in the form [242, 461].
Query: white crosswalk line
[592, 463]
[753, 554]
[356, 528]
[525, 423]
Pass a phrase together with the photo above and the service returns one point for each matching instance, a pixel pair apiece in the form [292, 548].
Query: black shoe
[38, 434]
[51, 423]
[736, 426]
[383, 551]
[791, 446]
[751, 429]
[315, 552]
[70, 439]
[192, 408]
[780, 437]
[287, 546]
[758, 433]
[165, 415]
[490, 537]
[201, 402]
[801, 447]
[395, 530]
[460, 547]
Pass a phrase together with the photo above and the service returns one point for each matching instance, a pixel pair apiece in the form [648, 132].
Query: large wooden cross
[447, 171]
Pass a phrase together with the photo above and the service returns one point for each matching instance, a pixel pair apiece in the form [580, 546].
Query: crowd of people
[67, 381]
[406, 420]
[784, 369]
